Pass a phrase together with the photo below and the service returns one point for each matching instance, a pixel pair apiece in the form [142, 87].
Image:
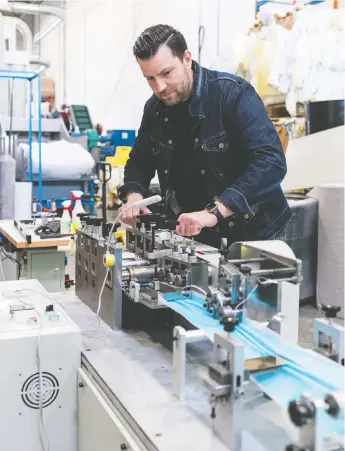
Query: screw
[81, 384]
[123, 447]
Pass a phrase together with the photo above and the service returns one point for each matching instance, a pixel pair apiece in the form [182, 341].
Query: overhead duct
[42, 65]
[25, 8]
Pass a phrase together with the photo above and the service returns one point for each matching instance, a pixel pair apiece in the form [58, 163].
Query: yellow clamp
[108, 259]
[121, 235]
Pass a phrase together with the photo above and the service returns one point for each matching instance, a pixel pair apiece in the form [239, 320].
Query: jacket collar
[196, 107]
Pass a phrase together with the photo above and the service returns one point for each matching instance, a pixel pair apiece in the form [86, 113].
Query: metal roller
[139, 274]
[134, 263]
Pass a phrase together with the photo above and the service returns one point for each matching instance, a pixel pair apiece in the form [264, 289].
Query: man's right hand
[130, 216]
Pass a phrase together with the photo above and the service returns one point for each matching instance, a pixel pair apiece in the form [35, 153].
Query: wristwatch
[212, 207]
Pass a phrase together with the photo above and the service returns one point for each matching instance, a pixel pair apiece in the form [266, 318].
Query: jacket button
[169, 142]
[221, 145]
[196, 140]
[157, 113]
[202, 172]
[166, 171]
[166, 119]
[231, 224]
[246, 216]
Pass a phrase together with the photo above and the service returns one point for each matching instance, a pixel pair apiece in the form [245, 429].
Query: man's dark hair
[148, 43]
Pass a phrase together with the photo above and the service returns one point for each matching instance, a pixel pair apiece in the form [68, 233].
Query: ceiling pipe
[24, 8]
[42, 65]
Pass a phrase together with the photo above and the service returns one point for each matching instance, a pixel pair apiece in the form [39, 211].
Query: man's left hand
[191, 224]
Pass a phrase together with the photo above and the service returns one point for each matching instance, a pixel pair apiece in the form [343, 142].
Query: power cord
[2, 270]
[54, 301]
[195, 287]
[108, 269]
[7, 256]
[247, 298]
[45, 443]
[139, 204]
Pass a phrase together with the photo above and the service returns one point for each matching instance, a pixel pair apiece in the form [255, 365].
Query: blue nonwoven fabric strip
[305, 372]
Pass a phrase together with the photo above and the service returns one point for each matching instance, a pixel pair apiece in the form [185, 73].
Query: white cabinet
[100, 426]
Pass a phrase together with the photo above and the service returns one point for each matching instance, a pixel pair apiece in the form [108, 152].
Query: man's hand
[130, 216]
[191, 224]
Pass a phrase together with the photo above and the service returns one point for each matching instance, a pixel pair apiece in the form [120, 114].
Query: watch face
[211, 206]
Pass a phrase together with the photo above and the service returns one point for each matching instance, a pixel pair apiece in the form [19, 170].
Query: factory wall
[91, 54]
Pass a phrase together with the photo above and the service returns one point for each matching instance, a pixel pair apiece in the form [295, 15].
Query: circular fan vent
[31, 390]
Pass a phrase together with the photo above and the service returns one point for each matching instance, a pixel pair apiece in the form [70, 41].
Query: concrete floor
[307, 315]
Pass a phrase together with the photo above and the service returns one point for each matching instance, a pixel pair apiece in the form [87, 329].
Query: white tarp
[60, 159]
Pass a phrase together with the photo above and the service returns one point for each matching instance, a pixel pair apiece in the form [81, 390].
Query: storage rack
[30, 76]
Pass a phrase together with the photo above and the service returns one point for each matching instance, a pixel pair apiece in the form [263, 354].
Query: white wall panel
[100, 68]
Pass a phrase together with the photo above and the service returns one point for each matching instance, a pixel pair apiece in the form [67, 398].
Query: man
[218, 157]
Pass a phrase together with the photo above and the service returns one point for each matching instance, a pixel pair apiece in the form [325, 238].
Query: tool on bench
[51, 230]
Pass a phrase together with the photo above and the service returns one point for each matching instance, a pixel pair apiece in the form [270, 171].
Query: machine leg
[181, 338]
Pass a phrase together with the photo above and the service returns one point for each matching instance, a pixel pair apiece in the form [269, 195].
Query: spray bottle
[78, 208]
[66, 220]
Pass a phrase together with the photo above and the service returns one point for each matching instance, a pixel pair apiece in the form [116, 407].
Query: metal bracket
[159, 254]
[181, 339]
[333, 333]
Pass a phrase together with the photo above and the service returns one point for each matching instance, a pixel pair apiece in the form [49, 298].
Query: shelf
[21, 125]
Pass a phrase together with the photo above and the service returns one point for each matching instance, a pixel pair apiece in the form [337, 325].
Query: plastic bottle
[66, 220]
[78, 208]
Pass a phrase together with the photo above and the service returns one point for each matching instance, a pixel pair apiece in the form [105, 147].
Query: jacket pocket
[155, 146]
[216, 158]
[219, 143]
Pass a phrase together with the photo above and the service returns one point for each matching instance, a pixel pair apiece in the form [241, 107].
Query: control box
[40, 354]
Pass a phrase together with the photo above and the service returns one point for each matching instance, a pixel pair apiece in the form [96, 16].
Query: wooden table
[41, 260]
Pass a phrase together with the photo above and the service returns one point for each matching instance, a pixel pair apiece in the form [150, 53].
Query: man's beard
[181, 95]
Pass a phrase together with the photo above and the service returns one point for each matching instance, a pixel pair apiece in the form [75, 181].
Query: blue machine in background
[114, 139]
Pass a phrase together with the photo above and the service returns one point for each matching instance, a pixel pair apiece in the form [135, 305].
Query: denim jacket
[239, 153]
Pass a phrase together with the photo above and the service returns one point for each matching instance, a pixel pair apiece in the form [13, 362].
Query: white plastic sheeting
[60, 159]
[309, 60]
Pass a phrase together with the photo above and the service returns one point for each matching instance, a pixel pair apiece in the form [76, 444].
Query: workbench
[126, 401]
[43, 259]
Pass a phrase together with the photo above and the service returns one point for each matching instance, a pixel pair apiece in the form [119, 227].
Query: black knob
[50, 308]
[97, 221]
[108, 227]
[171, 225]
[294, 448]
[83, 216]
[229, 323]
[330, 310]
[123, 447]
[246, 269]
[299, 413]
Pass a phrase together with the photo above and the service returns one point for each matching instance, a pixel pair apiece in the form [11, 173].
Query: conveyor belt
[305, 372]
